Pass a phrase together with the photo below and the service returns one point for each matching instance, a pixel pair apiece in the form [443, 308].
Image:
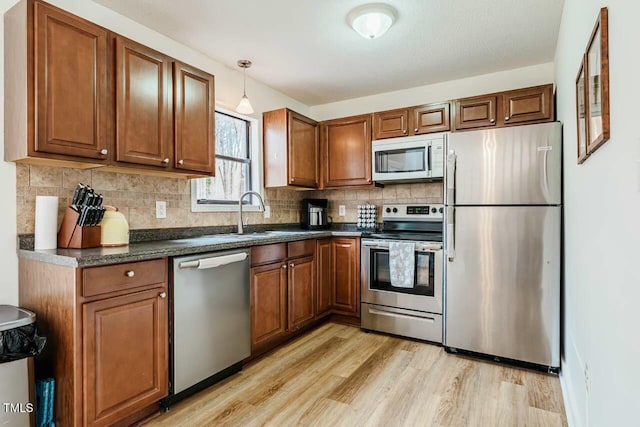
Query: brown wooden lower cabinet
[345, 260]
[125, 355]
[107, 337]
[302, 286]
[323, 268]
[268, 304]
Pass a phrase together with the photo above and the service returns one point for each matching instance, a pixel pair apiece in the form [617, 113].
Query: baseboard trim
[567, 397]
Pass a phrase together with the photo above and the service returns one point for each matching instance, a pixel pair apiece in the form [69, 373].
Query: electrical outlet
[267, 211]
[587, 380]
[342, 211]
[161, 209]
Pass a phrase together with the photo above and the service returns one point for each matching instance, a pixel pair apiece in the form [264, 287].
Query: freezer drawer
[398, 321]
[503, 282]
[509, 166]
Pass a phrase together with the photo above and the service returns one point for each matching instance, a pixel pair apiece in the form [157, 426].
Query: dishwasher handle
[213, 262]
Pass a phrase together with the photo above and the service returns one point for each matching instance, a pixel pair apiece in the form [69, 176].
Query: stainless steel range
[411, 239]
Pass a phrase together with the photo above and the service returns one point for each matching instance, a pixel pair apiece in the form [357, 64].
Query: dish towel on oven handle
[402, 264]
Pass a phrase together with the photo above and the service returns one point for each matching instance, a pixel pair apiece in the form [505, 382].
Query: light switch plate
[161, 209]
[267, 211]
[342, 211]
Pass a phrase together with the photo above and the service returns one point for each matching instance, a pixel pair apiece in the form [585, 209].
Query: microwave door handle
[451, 233]
[451, 176]
[429, 161]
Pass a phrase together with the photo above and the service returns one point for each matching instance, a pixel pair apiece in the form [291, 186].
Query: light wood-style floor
[337, 375]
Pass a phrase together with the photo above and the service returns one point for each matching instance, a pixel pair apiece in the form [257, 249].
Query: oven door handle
[451, 233]
[429, 247]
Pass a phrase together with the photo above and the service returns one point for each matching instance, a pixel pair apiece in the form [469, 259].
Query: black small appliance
[313, 214]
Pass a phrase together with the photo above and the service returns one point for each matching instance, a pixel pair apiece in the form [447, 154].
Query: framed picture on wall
[581, 113]
[596, 70]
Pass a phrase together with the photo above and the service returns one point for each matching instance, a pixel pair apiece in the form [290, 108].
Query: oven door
[426, 293]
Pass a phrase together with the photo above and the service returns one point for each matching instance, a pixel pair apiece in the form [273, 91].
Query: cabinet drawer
[268, 253]
[111, 278]
[302, 248]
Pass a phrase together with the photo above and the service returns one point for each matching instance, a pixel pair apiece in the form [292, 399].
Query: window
[235, 173]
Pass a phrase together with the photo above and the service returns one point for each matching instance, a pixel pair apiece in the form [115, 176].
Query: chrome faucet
[240, 227]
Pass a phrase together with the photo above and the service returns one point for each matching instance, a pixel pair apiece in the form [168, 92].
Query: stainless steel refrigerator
[503, 193]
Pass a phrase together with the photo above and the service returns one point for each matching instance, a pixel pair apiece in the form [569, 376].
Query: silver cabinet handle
[506, 118]
[130, 273]
[166, 161]
[451, 233]
[181, 162]
[415, 130]
[163, 295]
[492, 120]
[104, 151]
[284, 266]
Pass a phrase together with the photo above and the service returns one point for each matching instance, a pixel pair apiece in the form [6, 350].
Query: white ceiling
[305, 48]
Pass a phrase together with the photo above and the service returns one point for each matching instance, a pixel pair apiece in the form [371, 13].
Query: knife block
[72, 235]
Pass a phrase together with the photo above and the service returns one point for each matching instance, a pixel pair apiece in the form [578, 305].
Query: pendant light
[244, 106]
[372, 20]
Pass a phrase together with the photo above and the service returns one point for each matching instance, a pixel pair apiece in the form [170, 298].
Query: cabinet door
[528, 105]
[268, 304]
[389, 124]
[303, 151]
[430, 118]
[475, 112]
[347, 151]
[323, 282]
[194, 104]
[70, 85]
[125, 355]
[144, 123]
[302, 281]
[345, 260]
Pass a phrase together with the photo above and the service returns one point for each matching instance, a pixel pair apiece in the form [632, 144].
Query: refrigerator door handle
[451, 176]
[451, 233]
[545, 170]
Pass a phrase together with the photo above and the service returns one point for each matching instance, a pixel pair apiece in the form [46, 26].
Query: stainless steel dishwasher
[211, 320]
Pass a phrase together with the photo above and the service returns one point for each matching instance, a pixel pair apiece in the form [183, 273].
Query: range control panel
[431, 212]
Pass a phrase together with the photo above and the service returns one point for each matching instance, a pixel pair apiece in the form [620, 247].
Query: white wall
[477, 85]
[602, 226]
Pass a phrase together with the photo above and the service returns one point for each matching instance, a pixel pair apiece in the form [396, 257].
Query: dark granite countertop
[150, 249]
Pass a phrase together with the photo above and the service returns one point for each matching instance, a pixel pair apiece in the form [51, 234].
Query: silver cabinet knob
[506, 118]
[104, 151]
[181, 162]
[415, 130]
[284, 266]
[492, 120]
[404, 131]
[163, 295]
[130, 273]
[166, 161]
[292, 265]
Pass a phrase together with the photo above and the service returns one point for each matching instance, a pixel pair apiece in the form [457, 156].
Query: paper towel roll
[46, 222]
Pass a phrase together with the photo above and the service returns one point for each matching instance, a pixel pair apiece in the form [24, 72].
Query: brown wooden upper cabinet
[417, 120]
[144, 122]
[64, 72]
[346, 151]
[82, 96]
[514, 107]
[390, 124]
[290, 143]
[528, 105]
[476, 112]
[194, 108]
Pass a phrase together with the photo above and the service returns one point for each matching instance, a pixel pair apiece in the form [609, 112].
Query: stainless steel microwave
[409, 159]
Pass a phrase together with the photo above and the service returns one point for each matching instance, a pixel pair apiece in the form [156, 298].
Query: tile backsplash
[135, 196]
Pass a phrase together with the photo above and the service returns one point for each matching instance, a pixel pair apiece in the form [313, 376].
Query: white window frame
[255, 154]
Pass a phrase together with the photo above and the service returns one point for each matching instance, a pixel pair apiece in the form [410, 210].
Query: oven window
[407, 160]
[424, 273]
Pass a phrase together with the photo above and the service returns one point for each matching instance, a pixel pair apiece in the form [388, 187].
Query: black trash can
[19, 343]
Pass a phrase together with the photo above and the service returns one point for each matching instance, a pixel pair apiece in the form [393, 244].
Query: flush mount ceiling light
[372, 20]
[244, 107]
